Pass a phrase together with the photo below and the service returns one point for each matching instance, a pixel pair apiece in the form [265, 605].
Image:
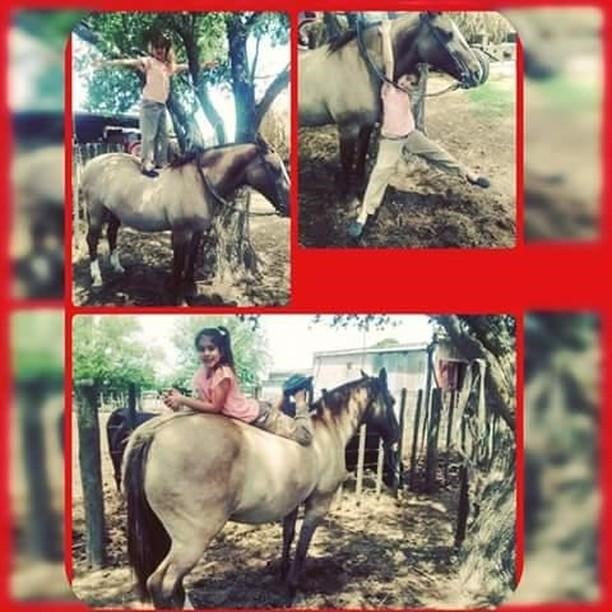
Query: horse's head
[267, 174]
[380, 413]
[440, 43]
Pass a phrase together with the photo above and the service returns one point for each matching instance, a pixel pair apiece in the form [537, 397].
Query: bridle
[457, 60]
[233, 206]
[426, 19]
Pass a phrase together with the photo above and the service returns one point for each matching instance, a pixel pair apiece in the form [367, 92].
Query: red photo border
[554, 277]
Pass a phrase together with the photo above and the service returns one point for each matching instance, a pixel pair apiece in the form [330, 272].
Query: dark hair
[220, 337]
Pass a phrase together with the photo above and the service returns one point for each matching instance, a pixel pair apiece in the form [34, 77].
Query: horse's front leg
[348, 141]
[316, 508]
[181, 240]
[192, 257]
[288, 535]
[93, 237]
[361, 154]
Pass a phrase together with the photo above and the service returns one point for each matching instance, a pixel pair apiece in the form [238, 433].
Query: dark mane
[339, 41]
[201, 154]
[335, 399]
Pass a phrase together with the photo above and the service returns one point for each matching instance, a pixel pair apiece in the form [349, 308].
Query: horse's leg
[348, 137]
[316, 508]
[180, 245]
[165, 584]
[94, 230]
[111, 234]
[192, 257]
[361, 153]
[288, 535]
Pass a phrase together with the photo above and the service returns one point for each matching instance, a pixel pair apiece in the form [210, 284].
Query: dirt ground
[147, 259]
[423, 207]
[381, 553]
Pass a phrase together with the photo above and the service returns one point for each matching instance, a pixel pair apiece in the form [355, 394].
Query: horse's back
[336, 87]
[254, 475]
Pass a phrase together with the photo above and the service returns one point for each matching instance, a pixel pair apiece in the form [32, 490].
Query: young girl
[400, 138]
[158, 68]
[217, 391]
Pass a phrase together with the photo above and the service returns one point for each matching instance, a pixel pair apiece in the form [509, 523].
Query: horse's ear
[383, 376]
[363, 374]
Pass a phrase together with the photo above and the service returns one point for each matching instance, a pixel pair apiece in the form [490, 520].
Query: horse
[118, 431]
[182, 199]
[339, 83]
[188, 474]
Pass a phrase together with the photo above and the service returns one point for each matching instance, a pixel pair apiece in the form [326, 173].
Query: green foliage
[249, 347]
[49, 27]
[38, 347]
[366, 323]
[108, 352]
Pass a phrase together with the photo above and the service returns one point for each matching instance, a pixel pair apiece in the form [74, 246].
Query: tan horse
[182, 198]
[187, 475]
[339, 83]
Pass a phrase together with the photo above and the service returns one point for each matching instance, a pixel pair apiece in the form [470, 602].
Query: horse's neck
[345, 422]
[230, 176]
[403, 38]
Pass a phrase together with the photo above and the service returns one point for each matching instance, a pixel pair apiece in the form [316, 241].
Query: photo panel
[375, 438]
[181, 146]
[408, 129]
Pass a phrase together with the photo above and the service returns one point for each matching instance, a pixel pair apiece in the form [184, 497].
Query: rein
[226, 205]
[382, 77]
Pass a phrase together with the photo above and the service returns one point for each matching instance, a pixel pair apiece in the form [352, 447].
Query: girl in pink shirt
[217, 391]
[157, 68]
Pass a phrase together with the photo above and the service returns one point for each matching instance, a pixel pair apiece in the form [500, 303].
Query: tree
[249, 347]
[197, 38]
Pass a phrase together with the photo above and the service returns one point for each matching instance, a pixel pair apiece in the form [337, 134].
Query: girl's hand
[174, 399]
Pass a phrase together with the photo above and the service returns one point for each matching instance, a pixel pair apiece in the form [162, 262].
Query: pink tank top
[157, 86]
[237, 406]
[397, 113]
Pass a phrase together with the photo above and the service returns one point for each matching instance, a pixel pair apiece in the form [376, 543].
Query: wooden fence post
[379, 467]
[431, 461]
[399, 475]
[91, 472]
[415, 440]
[360, 460]
[449, 431]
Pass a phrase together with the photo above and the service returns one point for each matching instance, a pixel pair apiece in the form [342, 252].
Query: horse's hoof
[119, 269]
[96, 283]
[355, 229]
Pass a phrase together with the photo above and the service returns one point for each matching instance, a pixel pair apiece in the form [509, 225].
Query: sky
[271, 61]
[293, 339]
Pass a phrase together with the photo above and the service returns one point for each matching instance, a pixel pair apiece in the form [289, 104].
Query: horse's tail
[148, 540]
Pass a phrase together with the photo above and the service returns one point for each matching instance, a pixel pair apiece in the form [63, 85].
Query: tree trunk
[91, 473]
[242, 86]
[230, 259]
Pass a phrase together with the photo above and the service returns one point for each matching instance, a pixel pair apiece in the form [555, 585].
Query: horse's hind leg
[111, 234]
[180, 248]
[93, 237]
[316, 509]
[288, 535]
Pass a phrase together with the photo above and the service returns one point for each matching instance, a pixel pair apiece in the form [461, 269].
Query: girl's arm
[175, 400]
[128, 63]
[203, 65]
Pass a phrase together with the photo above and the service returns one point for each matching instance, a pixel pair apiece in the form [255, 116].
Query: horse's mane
[335, 399]
[340, 41]
[343, 39]
[198, 153]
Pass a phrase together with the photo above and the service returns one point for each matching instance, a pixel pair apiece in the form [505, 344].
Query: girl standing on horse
[399, 138]
[217, 391]
[157, 68]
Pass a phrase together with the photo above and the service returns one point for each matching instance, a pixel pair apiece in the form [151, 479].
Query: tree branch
[279, 83]
[501, 395]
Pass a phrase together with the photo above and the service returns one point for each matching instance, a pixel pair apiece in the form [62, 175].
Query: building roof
[414, 347]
